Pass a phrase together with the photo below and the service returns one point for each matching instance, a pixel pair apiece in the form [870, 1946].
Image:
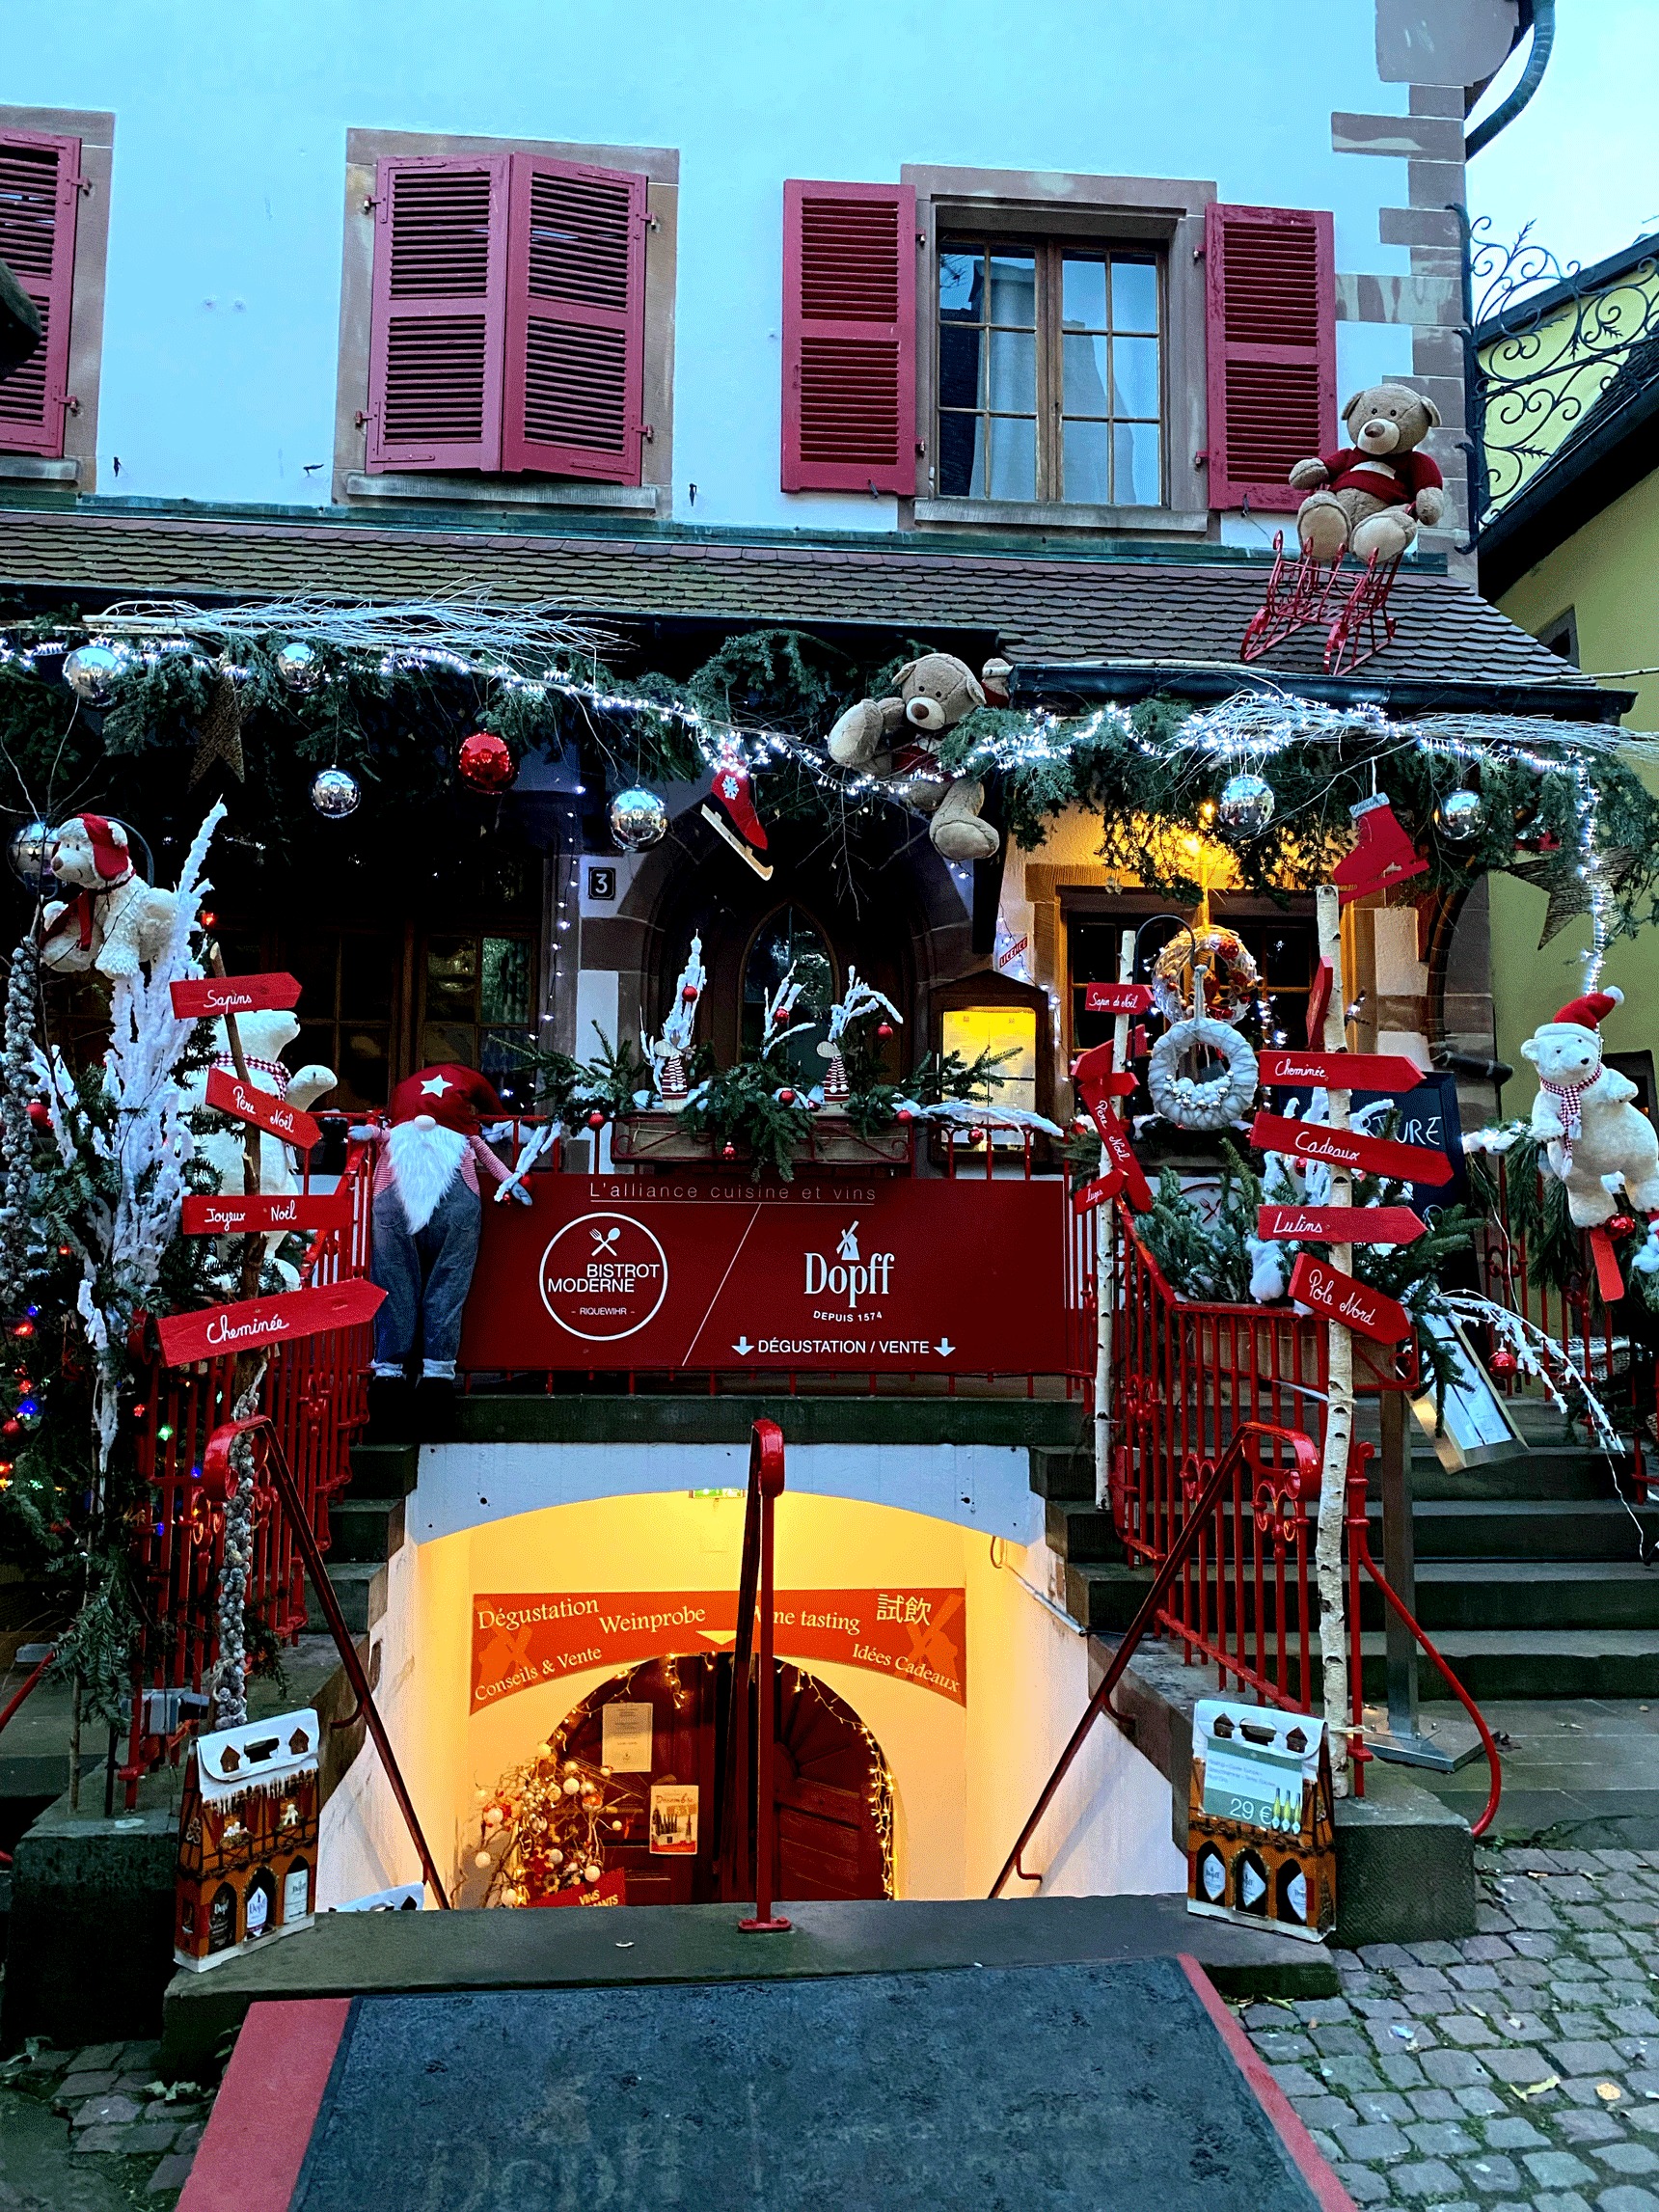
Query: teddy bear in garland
[1370, 497]
[896, 739]
[112, 921]
[1584, 1115]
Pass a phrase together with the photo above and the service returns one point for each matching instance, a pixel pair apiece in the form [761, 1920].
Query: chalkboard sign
[1427, 1116]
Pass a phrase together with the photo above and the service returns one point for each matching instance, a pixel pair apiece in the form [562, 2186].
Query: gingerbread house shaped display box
[247, 1837]
[1261, 1839]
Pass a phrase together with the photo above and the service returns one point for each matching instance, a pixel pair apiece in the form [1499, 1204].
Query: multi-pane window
[475, 1004]
[1050, 373]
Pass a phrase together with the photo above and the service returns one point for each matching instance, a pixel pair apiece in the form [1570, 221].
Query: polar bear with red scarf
[1582, 1113]
[427, 1215]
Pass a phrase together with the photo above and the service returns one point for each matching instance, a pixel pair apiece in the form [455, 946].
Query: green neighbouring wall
[1608, 573]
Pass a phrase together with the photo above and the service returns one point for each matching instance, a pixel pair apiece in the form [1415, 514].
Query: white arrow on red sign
[263, 1109]
[214, 1330]
[1339, 1224]
[200, 997]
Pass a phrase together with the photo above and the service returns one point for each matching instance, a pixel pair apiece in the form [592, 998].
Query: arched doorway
[831, 1791]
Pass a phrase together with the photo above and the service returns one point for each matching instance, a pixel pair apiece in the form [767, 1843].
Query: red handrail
[1242, 1444]
[1359, 1555]
[765, 1488]
[12, 1707]
[219, 1477]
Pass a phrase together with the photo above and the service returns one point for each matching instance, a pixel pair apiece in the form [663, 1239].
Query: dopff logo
[604, 1276]
[849, 1275]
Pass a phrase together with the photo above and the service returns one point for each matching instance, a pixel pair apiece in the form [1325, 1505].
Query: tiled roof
[1111, 607]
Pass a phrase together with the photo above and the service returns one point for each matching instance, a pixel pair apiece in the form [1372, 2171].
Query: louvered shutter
[576, 320]
[848, 338]
[1271, 295]
[40, 190]
[437, 323]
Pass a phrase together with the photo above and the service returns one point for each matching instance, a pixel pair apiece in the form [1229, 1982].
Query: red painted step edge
[249, 2158]
[1299, 2145]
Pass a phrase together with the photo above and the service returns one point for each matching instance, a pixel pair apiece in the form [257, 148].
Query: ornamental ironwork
[1542, 341]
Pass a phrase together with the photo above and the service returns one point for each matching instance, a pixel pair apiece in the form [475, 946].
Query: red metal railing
[315, 1390]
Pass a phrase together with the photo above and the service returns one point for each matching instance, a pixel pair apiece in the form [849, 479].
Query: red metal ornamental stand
[766, 1487]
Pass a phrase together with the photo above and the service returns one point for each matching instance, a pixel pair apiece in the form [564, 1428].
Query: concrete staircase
[365, 1528]
[1529, 1571]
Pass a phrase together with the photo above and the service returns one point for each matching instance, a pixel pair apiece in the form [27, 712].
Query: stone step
[1523, 1528]
[1545, 1471]
[360, 1586]
[1081, 1532]
[1063, 1472]
[1542, 1663]
[363, 1528]
[382, 1470]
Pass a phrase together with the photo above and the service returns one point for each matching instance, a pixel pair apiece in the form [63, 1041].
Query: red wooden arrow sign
[1117, 999]
[1096, 1193]
[1341, 1071]
[200, 996]
[1609, 1280]
[263, 1109]
[1345, 1148]
[1115, 1143]
[1318, 1001]
[215, 1329]
[1095, 1075]
[1339, 1224]
[213, 1217]
[1327, 1291]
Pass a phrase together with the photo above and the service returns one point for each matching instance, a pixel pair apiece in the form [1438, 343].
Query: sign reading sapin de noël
[940, 1275]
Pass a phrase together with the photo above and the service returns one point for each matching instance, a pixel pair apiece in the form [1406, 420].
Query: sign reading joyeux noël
[938, 1275]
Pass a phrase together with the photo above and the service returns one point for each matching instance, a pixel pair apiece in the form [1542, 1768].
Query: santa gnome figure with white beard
[428, 1213]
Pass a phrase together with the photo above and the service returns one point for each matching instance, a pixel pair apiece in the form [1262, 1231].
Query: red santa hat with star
[455, 1097]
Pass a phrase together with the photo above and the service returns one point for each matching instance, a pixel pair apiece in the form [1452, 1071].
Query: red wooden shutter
[1270, 292]
[848, 338]
[40, 190]
[437, 329]
[574, 403]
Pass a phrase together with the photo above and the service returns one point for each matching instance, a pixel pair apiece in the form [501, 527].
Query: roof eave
[1090, 683]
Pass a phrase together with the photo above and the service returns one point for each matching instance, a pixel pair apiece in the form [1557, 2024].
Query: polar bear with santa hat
[1594, 1138]
[427, 1215]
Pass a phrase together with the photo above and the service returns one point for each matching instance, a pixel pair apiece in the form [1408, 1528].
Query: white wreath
[1219, 1100]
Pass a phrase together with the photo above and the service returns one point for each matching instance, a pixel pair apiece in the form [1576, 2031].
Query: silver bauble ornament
[335, 793]
[26, 850]
[637, 818]
[1246, 806]
[1461, 815]
[90, 671]
[299, 664]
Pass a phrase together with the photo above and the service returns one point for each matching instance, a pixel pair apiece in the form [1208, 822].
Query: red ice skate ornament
[1383, 855]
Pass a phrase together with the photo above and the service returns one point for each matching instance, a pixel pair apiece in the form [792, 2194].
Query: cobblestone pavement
[1515, 2071]
[95, 2127]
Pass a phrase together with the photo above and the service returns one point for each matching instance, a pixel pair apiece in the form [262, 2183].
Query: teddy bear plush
[1370, 497]
[114, 922]
[1582, 1111]
[897, 740]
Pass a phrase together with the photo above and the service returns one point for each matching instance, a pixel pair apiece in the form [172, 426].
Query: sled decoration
[1303, 591]
[200, 998]
[239, 1326]
[262, 1108]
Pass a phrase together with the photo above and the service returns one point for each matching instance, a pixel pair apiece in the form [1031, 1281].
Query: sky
[1581, 162]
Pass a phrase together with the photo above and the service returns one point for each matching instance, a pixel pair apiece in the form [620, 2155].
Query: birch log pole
[1339, 1408]
[1105, 1270]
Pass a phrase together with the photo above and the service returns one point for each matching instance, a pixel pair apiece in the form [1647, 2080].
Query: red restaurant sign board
[215, 1216]
[214, 1330]
[1339, 1224]
[1341, 1071]
[200, 997]
[625, 1272]
[263, 1109]
[1326, 1290]
[1345, 1148]
[520, 1642]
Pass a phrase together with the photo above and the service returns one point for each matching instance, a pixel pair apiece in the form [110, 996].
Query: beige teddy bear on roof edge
[896, 739]
[1370, 497]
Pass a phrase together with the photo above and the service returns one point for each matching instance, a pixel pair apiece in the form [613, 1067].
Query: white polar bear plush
[113, 920]
[1593, 1133]
[263, 1037]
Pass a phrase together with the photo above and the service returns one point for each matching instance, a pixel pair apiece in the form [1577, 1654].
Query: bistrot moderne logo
[849, 1274]
[604, 1276]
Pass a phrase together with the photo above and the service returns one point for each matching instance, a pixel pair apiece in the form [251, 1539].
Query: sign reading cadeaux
[934, 1275]
[1347, 1148]
[520, 1642]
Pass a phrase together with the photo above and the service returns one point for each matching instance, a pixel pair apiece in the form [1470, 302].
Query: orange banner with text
[519, 1642]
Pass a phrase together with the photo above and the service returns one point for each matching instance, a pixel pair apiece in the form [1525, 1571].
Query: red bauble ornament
[786, 1098]
[11, 1427]
[885, 1030]
[906, 1115]
[486, 762]
[688, 996]
[39, 1113]
[23, 1329]
[728, 1152]
[1503, 1361]
[1620, 1225]
[596, 1120]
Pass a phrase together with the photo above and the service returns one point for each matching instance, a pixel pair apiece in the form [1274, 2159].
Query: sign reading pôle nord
[215, 1216]
[200, 997]
[1327, 1291]
[263, 1109]
[520, 1642]
[249, 1322]
[1339, 1224]
[1346, 1148]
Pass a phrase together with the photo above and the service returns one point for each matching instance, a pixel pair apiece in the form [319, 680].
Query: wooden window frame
[353, 486]
[1099, 213]
[76, 470]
